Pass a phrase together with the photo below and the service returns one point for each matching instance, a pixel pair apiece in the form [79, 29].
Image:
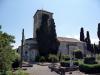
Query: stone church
[30, 50]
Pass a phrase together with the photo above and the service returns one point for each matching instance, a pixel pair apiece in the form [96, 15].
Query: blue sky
[69, 15]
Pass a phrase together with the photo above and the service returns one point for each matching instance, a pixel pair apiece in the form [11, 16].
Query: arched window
[26, 52]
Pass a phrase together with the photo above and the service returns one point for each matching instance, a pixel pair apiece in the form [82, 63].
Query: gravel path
[44, 70]
[40, 70]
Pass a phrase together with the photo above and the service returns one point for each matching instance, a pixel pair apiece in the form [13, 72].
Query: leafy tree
[82, 38]
[7, 54]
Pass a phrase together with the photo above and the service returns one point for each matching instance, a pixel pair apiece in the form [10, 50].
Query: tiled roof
[65, 39]
[61, 39]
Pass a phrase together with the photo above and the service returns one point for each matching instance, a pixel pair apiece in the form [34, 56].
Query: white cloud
[94, 40]
[73, 36]
[15, 45]
[76, 37]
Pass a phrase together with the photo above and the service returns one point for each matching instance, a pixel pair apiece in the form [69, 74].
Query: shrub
[65, 57]
[9, 73]
[67, 63]
[53, 58]
[89, 68]
[20, 72]
[98, 57]
[76, 63]
[42, 59]
[6, 73]
[90, 60]
[16, 64]
[78, 54]
[37, 58]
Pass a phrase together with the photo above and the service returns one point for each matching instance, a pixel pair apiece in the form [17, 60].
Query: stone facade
[68, 44]
[37, 20]
[30, 49]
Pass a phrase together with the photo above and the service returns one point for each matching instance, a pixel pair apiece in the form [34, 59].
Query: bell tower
[37, 19]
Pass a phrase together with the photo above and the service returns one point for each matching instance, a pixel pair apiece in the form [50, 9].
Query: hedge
[42, 59]
[67, 63]
[89, 68]
[90, 60]
[78, 54]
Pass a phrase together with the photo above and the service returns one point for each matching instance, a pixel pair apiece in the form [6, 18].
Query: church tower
[37, 19]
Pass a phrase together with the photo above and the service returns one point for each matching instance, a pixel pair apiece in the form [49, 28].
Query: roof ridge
[68, 39]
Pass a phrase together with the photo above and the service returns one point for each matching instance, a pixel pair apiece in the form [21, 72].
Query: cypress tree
[88, 38]
[42, 36]
[92, 50]
[82, 34]
[98, 32]
[96, 49]
[88, 41]
[54, 43]
[98, 52]
[22, 43]
[46, 36]
[0, 27]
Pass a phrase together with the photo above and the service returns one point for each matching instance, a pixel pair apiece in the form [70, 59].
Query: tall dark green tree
[82, 38]
[96, 50]
[88, 37]
[98, 31]
[46, 36]
[98, 34]
[42, 36]
[92, 50]
[22, 43]
[54, 43]
[0, 26]
[88, 41]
